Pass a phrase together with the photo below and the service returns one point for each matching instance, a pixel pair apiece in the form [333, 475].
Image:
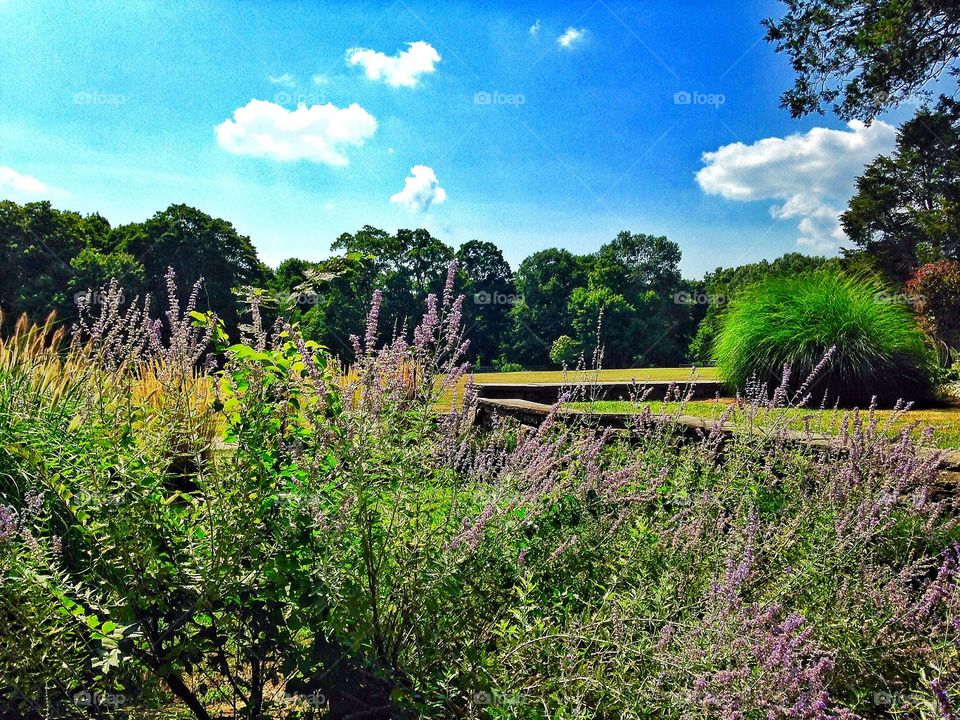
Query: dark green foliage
[634, 281]
[545, 281]
[40, 252]
[407, 265]
[795, 320]
[906, 211]
[490, 293]
[195, 245]
[864, 56]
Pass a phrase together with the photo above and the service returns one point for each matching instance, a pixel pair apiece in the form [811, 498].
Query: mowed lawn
[640, 375]
[945, 421]
[680, 374]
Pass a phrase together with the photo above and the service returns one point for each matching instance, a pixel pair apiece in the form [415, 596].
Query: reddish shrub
[936, 287]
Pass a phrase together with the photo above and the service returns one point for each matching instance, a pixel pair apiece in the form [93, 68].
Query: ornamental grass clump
[876, 347]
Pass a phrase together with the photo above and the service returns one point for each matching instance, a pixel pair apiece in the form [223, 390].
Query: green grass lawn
[944, 420]
[639, 374]
[680, 374]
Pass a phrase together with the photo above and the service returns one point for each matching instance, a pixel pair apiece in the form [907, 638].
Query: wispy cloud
[572, 37]
[320, 133]
[535, 28]
[18, 182]
[812, 175]
[401, 70]
[421, 190]
[286, 80]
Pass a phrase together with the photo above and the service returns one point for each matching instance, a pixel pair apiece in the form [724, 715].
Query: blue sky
[546, 124]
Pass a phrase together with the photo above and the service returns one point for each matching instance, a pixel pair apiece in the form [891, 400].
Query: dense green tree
[864, 56]
[38, 245]
[95, 269]
[545, 281]
[195, 245]
[636, 263]
[487, 282]
[635, 278]
[907, 207]
[408, 265]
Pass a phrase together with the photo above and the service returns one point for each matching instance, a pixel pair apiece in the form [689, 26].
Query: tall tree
[907, 207]
[635, 279]
[407, 265]
[864, 56]
[490, 293]
[195, 245]
[634, 263]
[545, 281]
[38, 246]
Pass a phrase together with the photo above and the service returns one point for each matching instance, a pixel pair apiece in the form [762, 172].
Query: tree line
[629, 293]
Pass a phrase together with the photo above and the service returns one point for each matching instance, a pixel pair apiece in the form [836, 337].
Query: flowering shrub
[316, 543]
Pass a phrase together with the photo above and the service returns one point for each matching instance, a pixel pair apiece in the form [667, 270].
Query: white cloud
[18, 182]
[573, 36]
[535, 28]
[811, 175]
[285, 80]
[421, 190]
[321, 79]
[319, 132]
[401, 70]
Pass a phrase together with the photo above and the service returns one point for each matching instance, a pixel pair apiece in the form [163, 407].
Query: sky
[533, 125]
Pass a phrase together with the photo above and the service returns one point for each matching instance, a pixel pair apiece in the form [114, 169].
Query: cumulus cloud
[18, 182]
[421, 190]
[285, 80]
[811, 175]
[320, 133]
[573, 36]
[401, 70]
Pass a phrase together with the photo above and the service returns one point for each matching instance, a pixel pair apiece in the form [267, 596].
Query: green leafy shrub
[565, 351]
[875, 346]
